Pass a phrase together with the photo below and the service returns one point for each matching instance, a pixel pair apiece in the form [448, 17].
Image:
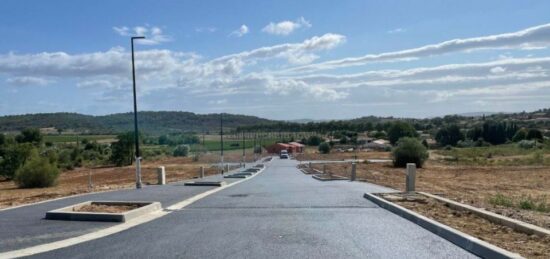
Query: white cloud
[153, 34]
[209, 29]
[28, 81]
[240, 32]
[533, 37]
[396, 30]
[286, 27]
[498, 70]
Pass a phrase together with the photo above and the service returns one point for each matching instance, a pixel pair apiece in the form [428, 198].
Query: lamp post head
[137, 38]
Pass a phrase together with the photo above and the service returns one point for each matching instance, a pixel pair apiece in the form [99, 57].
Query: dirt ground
[313, 154]
[112, 178]
[529, 246]
[105, 208]
[474, 185]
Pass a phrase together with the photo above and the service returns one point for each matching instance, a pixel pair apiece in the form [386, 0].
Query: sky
[282, 59]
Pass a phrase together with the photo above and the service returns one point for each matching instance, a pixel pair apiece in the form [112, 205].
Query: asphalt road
[280, 213]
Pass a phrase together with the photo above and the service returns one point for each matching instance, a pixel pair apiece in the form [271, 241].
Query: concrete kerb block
[411, 177]
[463, 240]
[68, 213]
[161, 175]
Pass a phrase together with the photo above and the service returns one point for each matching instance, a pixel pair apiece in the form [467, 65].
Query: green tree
[123, 150]
[29, 135]
[409, 150]
[37, 172]
[400, 129]
[324, 148]
[314, 141]
[520, 135]
[534, 134]
[13, 157]
[449, 135]
[181, 150]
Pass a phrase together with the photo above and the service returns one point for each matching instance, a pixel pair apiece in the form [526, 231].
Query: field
[518, 191]
[112, 178]
[230, 144]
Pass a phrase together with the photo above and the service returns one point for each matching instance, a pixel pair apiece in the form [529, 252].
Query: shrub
[409, 150]
[399, 130]
[122, 151]
[501, 200]
[30, 135]
[324, 148]
[257, 149]
[181, 150]
[527, 144]
[37, 172]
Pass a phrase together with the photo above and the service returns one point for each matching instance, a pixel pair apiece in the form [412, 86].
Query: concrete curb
[317, 177]
[67, 213]
[493, 217]
[205, 183]
[465, 241]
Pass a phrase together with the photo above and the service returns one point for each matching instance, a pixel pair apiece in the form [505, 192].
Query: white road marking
[118, 228]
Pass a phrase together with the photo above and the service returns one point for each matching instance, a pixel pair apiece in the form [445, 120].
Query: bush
[527, 144]
[324, 148]
[37, 172]
[409, 150]
[181, 150]
[257, 149]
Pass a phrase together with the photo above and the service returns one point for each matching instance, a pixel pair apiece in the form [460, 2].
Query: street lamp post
[221, 141]
[136, 133]
[244, 157]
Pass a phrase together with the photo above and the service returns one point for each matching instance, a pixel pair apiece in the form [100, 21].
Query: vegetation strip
[115, 229]
[493, 217]
[463, 240]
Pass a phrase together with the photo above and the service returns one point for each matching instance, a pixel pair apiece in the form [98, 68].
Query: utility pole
[221, 142]
[244, 156]
[136, 132]
[254, 148]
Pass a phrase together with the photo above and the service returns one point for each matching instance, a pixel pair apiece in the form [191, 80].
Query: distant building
[292, 148]
[379, 144]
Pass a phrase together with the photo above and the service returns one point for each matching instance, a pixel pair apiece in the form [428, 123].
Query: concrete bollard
[411, 177]
[161, 174]
[324, 169]
[202, 172]
[353, 171]
[309, 165]
[226, 168]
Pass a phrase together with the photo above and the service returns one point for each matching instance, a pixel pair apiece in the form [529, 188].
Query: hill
[149, 122]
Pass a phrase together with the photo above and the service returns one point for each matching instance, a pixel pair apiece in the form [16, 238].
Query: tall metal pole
[221, 142]
[136, 133]
[244, 158]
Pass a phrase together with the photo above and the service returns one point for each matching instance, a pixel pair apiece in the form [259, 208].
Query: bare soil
[112, 178]
[312, 154]
[104, 208]
[530, 246]
[474, 185]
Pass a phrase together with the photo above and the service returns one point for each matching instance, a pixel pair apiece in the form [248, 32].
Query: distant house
[299, 148]
[292, 147]
[379, 144]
